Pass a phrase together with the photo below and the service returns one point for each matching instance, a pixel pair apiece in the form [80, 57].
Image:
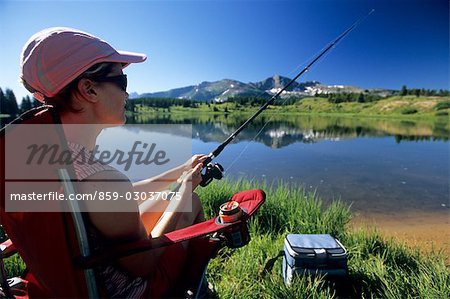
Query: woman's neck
[78, 129]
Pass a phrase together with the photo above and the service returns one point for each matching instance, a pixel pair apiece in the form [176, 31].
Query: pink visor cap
[54, 57]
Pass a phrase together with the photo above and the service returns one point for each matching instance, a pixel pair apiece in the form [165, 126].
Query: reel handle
[212, 171]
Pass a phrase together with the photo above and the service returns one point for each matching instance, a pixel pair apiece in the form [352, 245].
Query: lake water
[377, 165]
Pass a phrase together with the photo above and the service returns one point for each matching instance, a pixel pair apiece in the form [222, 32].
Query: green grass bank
[394, 106]
[378, 267]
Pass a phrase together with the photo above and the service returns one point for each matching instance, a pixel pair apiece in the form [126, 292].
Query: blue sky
[187, 42]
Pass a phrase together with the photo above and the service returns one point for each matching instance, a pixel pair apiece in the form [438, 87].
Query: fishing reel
[212, 171]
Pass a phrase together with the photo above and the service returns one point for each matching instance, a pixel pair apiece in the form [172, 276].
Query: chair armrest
[250, 201]
[122, 250]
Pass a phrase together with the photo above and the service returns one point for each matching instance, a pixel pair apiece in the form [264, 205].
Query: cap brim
[126, 58]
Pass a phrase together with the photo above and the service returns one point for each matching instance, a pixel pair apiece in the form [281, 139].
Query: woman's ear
[87, 90]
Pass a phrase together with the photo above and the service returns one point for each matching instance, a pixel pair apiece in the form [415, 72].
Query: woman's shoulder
[87, 166]
[111, 182]
[109, 175]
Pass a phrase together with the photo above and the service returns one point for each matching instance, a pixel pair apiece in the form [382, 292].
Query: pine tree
[361, 98]
[26, 104]
[11, 103]
[443, 93]
[417, 92]
[404, 91]
[3, 103]
[35, 103]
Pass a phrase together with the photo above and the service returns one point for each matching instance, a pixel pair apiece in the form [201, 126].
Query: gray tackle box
[313, 254]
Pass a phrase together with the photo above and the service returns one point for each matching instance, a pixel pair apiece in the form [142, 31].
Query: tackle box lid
[312, 243]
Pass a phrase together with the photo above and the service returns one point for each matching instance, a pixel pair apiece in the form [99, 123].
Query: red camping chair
[55, 246]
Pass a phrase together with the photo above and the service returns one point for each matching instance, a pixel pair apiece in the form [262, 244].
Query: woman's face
[113, 97]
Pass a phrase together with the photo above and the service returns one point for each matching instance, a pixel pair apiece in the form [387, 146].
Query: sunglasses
[120, 80]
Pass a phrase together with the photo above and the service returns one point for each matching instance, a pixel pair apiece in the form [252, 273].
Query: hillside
[220, 91]
[396, 105]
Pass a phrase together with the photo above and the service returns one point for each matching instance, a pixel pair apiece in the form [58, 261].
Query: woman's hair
[63, 100]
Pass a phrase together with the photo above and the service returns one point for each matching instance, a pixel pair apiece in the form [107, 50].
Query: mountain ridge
[220, 91]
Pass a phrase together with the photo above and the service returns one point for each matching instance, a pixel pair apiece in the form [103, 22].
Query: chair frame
[88, 260]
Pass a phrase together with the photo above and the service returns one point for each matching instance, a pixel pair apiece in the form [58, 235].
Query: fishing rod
[215, 171]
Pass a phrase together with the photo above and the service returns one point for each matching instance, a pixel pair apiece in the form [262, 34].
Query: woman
[82, 77]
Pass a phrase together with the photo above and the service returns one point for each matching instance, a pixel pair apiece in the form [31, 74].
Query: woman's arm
[124, 223]
[161, 182]
[120, 226]
[152, 211]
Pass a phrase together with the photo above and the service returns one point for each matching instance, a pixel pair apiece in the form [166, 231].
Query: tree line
[258, 101]
[160, 103]
[342, 97]
[404, 91]
[9, 105]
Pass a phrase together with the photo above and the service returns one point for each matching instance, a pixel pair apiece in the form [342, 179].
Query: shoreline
[426, 231]
[396, 106]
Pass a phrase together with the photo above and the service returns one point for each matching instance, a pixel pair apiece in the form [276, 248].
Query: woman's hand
[194, 176]
[192, 162]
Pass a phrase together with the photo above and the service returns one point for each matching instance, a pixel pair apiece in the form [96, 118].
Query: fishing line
[332, 46]
[260, 130]
[293, 71]
[215, 170]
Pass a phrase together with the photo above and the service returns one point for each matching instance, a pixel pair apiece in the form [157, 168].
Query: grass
[394, 106]
[378, 268]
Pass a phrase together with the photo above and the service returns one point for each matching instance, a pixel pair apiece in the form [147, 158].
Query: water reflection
[279, 131]
[368, 162]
